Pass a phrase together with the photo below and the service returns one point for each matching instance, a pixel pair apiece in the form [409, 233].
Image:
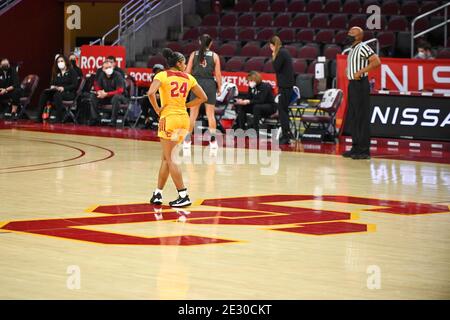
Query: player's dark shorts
[210, 88]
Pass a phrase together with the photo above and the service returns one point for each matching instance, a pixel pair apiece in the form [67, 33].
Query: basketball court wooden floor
[75, 224]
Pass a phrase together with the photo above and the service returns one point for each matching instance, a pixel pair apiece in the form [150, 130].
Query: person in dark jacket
[110, 88]
[282, 64]
[260, 101]
[73, 61]
[112, 60]
[9, 87]
[63, 86]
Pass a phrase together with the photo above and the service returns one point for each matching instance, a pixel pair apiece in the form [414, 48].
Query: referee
[361, 59]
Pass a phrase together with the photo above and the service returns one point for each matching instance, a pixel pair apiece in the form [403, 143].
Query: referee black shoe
[156, 198]
[361, 156]
[180, 202]
[348, 154]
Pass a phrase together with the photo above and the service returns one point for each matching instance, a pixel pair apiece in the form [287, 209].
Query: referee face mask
[349, 40]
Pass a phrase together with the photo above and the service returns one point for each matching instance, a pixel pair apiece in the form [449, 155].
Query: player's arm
[190, 63]
[374, 62]
[200, 97]
[218, 72]
[152, 95]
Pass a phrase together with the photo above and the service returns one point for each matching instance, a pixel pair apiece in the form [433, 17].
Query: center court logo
[286, 214]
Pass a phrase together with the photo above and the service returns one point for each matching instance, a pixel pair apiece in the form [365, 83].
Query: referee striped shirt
[357, 59]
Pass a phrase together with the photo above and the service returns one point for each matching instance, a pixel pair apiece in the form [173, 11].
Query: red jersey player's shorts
[173, 127]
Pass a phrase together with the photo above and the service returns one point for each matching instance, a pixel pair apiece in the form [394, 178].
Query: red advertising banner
[240, 80]
[142, 76]
[92, 57]
[399, 75]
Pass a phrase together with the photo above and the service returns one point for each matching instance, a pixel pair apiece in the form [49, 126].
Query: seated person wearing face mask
[9, 88]
[110, 88]
[424, 51]
[260, 101]
[113, 60]
[63, 86]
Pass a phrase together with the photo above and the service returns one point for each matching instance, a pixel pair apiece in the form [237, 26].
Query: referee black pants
[359, 115]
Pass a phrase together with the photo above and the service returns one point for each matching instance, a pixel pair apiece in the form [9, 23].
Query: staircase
[144, 25]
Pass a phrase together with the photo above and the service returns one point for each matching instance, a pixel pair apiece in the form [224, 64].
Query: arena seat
[357, 20]
[255, 64]
[368, 3]
[314, 6]
[332, 6]
[243, 6]
[246, 20]
[340, 36]
[278, 6]
[123, 107]
[311, 69]
[212, 31]
[265, 34]
[228, 50]
[211, 20]
[296, 6]
[190, 47]
[410, 8]
[398, 23]
[300, 21]
[390, 7]
[324, 36]
[386, 39]
[72, 105]
[299, 65]
[282, 20]
[228, 33]
[292, 50]
[28, 86]
[191, 34]
[308, 52]
[351, 7]
[287, 35]
[331, 50]
[268, 67]
[265, 51]
[305, 35]
[228, 20]
[235, 64]
[158, 59]
[247, 35]
[443, 53]
[175, 46]
[338, 21]
[250, 50]
[264, 20]
[261, 6]
[319, 21]
[428, 6]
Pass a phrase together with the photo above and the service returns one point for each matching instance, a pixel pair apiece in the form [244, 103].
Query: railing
[446, 20]
[134, 15]
[366, 42]
[7, 4]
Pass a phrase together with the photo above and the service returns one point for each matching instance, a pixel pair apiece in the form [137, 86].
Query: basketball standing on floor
[361, 60]
[174, 86]
[204, 65]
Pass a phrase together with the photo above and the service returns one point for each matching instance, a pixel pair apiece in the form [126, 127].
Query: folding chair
[124, 108]
[72, 105]
[324, 118]
[229, 91]
[28, 86]
[273, 120]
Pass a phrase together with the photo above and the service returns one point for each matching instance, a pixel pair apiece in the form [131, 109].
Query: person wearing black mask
[282, 64]
[63, 86]
[361, 59]
[9, 87]
[73, 62]
[260, 101]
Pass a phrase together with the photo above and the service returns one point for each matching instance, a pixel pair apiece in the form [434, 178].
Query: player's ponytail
[205, 41]
[172, 57]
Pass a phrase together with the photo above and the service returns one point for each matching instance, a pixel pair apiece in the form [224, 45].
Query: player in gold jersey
[174, 86]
